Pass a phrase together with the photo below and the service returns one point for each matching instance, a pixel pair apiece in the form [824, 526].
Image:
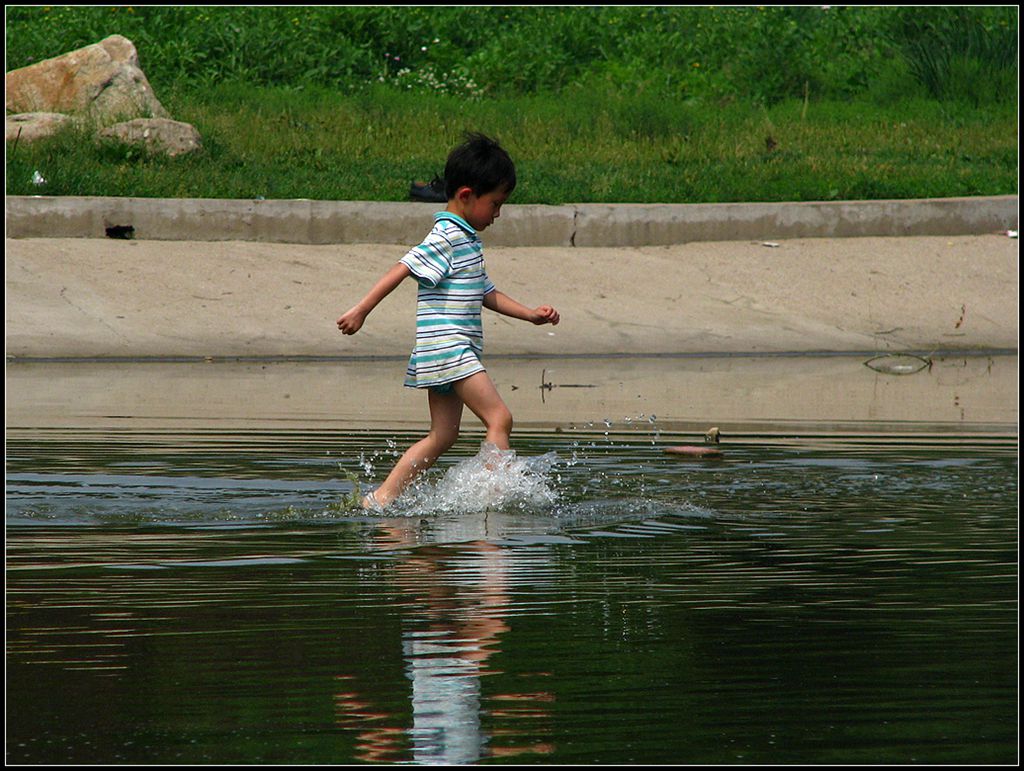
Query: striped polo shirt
[449, 268]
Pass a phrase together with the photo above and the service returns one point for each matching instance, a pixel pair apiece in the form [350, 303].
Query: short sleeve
[431, 261]
[488, 284]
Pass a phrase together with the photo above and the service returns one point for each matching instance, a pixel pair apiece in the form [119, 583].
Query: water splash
[491, 480]
[500, 480]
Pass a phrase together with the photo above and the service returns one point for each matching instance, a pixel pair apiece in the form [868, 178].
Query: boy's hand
[545, 314]
[351, 321]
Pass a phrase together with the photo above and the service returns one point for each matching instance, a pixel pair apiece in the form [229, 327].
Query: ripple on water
[570, 590]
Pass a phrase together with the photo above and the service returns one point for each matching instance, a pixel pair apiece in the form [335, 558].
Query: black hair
[480, 164]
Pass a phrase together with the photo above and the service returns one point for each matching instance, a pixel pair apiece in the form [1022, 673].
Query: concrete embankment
[194, 282]
[339, 222]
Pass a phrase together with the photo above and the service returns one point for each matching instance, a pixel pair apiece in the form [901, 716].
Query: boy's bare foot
[370, 502]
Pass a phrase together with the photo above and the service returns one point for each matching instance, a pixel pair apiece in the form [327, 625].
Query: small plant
[355, 498]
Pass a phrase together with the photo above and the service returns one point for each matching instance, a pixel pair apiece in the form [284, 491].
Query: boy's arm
[505, 305]
[353, 318]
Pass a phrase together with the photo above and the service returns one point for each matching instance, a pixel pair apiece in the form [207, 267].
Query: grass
[576, 147]
[596, 104]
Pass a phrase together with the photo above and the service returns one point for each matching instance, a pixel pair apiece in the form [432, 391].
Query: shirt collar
[447, 215]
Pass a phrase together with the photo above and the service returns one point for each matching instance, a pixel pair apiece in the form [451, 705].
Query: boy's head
[480, 164]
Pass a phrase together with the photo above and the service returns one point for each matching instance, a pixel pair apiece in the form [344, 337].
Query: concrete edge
[306, 221]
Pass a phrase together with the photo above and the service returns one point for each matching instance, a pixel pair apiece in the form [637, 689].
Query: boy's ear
[463, 193]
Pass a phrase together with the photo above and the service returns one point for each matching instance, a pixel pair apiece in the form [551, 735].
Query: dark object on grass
[432, 191]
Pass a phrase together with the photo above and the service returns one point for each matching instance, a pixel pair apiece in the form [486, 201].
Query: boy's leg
[479, 394]
[445, 418]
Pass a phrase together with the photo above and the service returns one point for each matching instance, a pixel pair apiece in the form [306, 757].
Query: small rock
[30, 126]
[157, 135]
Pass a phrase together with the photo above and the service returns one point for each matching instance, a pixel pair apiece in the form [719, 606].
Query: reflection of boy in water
[461, 596]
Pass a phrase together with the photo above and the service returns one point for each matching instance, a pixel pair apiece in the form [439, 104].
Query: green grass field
[670, 105]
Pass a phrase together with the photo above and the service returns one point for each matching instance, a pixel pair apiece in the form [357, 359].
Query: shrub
[726, 53]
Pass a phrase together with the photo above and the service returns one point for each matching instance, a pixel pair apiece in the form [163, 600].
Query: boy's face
[480, 211]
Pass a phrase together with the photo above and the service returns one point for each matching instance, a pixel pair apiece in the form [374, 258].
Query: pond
[201, 593]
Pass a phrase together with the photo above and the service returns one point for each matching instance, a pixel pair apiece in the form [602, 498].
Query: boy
[453, 285]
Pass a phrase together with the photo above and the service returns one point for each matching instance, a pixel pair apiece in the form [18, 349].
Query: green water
[199, 597]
